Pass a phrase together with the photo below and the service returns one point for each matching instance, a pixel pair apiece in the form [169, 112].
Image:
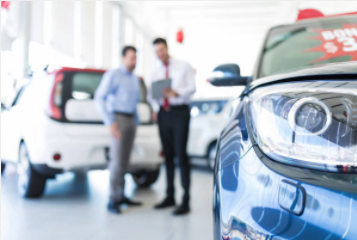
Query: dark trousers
[173, 128]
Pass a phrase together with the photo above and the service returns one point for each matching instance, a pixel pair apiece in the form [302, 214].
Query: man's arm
[136, 116]
[153, 102]
[190, 86]
[100, 98]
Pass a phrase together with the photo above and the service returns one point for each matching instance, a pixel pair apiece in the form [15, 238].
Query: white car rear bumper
[89, 153]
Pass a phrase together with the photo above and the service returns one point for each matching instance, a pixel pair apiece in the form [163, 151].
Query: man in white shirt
[173, 120]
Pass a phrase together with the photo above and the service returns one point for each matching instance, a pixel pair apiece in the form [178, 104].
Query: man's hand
[154, 117]
[114, 131]
[169, 93]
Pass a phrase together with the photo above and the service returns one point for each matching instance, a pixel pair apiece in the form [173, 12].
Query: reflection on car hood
[338, 71]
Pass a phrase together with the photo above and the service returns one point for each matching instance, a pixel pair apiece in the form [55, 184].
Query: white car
[53, 126]
[208, 117]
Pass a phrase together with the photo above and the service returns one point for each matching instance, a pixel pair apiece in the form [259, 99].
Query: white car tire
[3, 165]
[31, 184]
[146, 178]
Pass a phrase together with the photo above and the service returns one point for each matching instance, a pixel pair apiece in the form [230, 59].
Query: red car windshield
[314, 42]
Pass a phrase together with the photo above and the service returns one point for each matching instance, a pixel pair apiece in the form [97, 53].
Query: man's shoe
[168, 202]
[181, 210]
[129, 202]
[114, 207]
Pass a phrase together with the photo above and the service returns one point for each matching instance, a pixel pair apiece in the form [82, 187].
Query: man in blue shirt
[116, 99]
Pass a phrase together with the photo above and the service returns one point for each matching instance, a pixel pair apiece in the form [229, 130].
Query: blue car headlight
[307, 124]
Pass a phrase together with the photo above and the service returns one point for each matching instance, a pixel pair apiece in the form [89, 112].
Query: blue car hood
[332, 71]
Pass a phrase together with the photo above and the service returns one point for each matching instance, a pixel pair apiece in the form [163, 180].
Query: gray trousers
[120, 154]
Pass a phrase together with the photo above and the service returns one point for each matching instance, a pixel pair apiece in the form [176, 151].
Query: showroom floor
[74, 207]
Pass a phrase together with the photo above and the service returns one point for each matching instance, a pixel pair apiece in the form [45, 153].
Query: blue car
[286, 164]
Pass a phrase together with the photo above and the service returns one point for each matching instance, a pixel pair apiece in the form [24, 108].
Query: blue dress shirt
[119, 91]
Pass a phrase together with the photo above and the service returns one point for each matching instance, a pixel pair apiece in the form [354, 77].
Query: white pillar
[107, 34]
[25, 30]
[98, 46]
[118, 35]
[88, 33]
[128, 31]
[139, 44]
[121, 29]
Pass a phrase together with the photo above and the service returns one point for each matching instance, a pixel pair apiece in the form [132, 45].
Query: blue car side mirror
[227, 75]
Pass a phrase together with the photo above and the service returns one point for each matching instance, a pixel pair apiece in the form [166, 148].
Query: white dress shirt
[183, 80]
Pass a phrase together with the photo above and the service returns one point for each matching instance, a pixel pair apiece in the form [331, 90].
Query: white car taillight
[55, 101]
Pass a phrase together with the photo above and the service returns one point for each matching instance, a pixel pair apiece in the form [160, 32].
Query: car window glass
[303, 45]
[84, 85]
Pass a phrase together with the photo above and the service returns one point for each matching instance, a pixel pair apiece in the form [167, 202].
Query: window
[302, 45]
[3, 108]
[84, 85]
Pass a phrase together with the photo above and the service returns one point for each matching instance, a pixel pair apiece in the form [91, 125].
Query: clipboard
[158, 87]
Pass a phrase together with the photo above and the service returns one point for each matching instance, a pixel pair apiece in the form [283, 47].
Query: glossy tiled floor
[74, 207]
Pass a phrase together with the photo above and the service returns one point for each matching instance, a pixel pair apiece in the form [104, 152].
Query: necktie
[166, 100]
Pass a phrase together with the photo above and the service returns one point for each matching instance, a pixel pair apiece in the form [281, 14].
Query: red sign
[309, 13]
[179, 36]
[5, 4]
[313, 13]
[336, 42]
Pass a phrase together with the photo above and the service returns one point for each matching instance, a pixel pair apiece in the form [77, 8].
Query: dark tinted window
[314, 43]
[84, 86]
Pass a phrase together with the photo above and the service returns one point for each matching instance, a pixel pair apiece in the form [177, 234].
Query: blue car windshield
[309, 43]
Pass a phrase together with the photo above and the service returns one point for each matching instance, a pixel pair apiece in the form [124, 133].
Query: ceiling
[218, 16]
[160, 16]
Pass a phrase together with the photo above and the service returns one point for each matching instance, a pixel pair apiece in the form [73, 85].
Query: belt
[124, 114]
[174, 107]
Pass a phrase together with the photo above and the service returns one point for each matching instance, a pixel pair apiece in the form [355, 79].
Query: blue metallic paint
[332, 71]
[246, 198]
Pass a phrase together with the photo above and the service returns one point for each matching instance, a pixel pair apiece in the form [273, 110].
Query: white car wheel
[23, 169]
[31, 184]
[3, 165]
[145, 179]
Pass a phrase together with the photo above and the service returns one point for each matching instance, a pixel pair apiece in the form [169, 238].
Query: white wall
[62, 26]
[107, 36]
